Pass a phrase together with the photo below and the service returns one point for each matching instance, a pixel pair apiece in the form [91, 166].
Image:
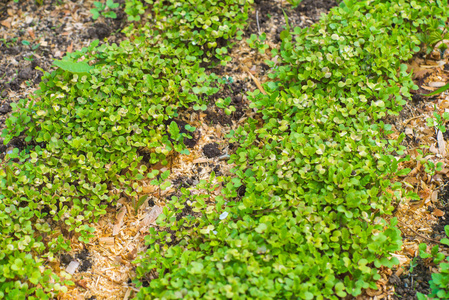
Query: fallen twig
[420, 235]
[256, 81]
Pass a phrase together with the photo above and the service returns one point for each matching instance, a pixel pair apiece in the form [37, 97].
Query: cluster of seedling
[316, 172]
[86, 125]
[314, 175]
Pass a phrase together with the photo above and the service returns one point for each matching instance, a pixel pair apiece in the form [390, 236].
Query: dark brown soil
[211, 150]
[82, 257]
[443, 199]
[314, 8]
[189, 142]
[85, 261]
[414, 282]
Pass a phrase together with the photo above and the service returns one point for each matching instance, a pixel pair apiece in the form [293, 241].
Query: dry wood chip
[441, 144]
[399, 271]
[200, 160]
[408, 131]
[128, 293]
[437, 84]
[425, 229]
[106, 240]
[434, 196]
[119, 222]
[415, 204]
[427, 88]
[31, 33]
[256, 81]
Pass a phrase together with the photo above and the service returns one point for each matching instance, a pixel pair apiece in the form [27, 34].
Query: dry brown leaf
[408, 131]
[31, 33]
[122, 200]
[416, 204]
[412, 180]
[150, 217]
[415, 170]
[409, 251]
[420, 73]
[131, 255]
[6, 23]
[424, 194]
[148, 189]
[438, 213]
[82, 283]
[373, 293]
[70, 48]
[433, 149]
[119, 222]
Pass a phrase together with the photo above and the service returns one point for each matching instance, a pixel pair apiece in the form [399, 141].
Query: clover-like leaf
[73, 67]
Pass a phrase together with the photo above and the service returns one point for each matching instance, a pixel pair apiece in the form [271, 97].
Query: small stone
[71, 268]
[5, 108]
[26, 73]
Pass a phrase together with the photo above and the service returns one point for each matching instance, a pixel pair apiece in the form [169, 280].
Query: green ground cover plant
[87, 123]
[439, 285]
[317, 173]
[104, 9]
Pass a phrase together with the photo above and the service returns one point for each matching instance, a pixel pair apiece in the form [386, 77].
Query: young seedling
[100, 9]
